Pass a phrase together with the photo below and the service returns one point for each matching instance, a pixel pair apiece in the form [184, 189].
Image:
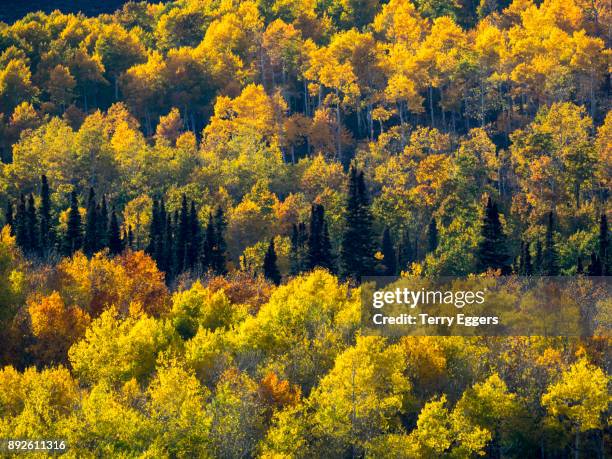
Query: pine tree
[298, 255]
[579, 266]
[154, 233]
[92, 239]
[167, 260]
[526, 260]
[130, 238]
[432, 236]
[550, 266]
[389, 261]
[103, 224]
[208, 245]
[604, 245]
[182, 236]
[47, 233]
[115, 245]
[73, 239]
[8, 217]
[194, 241]
[357, 244]
[539, 260]
[21, 228]
[318, 246]
[405, 252]
[220, 247]
[492, 250]
[270, 268]
[32, 226]
[595, 267]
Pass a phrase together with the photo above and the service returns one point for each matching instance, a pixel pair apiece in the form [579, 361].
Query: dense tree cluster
[192, 191]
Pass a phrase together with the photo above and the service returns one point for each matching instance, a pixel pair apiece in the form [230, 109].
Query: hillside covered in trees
[193, 189]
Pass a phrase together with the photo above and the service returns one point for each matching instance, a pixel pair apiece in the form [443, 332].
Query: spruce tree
[405, 252]
[167, 260]
[357, 245]
[92, 239]
[194, 241]
[115, 245]
[270, 268]
[550, 266]
[32, 226]
[73, 239]
[579, 266]
[21, 225]
[47, 232]
[130, 238]
[318, 246]
[432, 235]
[595, 266]
[527, 265]
[182, 236]
[208, 245]
[220, 247]
[389, 261]
[103, 224]
[8, 217]
[297, 255]
[604, 245]
[155, 231]
[492, 250]
[539, 262]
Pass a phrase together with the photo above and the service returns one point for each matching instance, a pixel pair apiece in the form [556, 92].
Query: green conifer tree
[550, 264]
[73, 239]
[115, 246]
[357, 245]
[492, 250]
[270, 268]
[432, 236]
[92, 238]
[389, 261]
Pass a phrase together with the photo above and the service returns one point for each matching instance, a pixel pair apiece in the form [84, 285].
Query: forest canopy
[192, 190]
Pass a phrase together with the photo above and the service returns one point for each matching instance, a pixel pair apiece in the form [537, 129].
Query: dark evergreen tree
[270, 268]
[357, 246]
[538, 265]
[155, 231]
[73, 239]
[182, 239]
[220, 247]
[32, 226]
[103, 224]
[47, 232]
[130, 238]
[91, 240]
[405, 252]
[208, 245]
[432, 236]
[579, 266]
[492, 250]
[194, 240]
[595, 267]
[8, 216]
[298, 254]
[527, 265]
[115, 246]
[604, 245]
[21, 225]
[389, 261]
[167, 260]
[318, 244]
[550, 265]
